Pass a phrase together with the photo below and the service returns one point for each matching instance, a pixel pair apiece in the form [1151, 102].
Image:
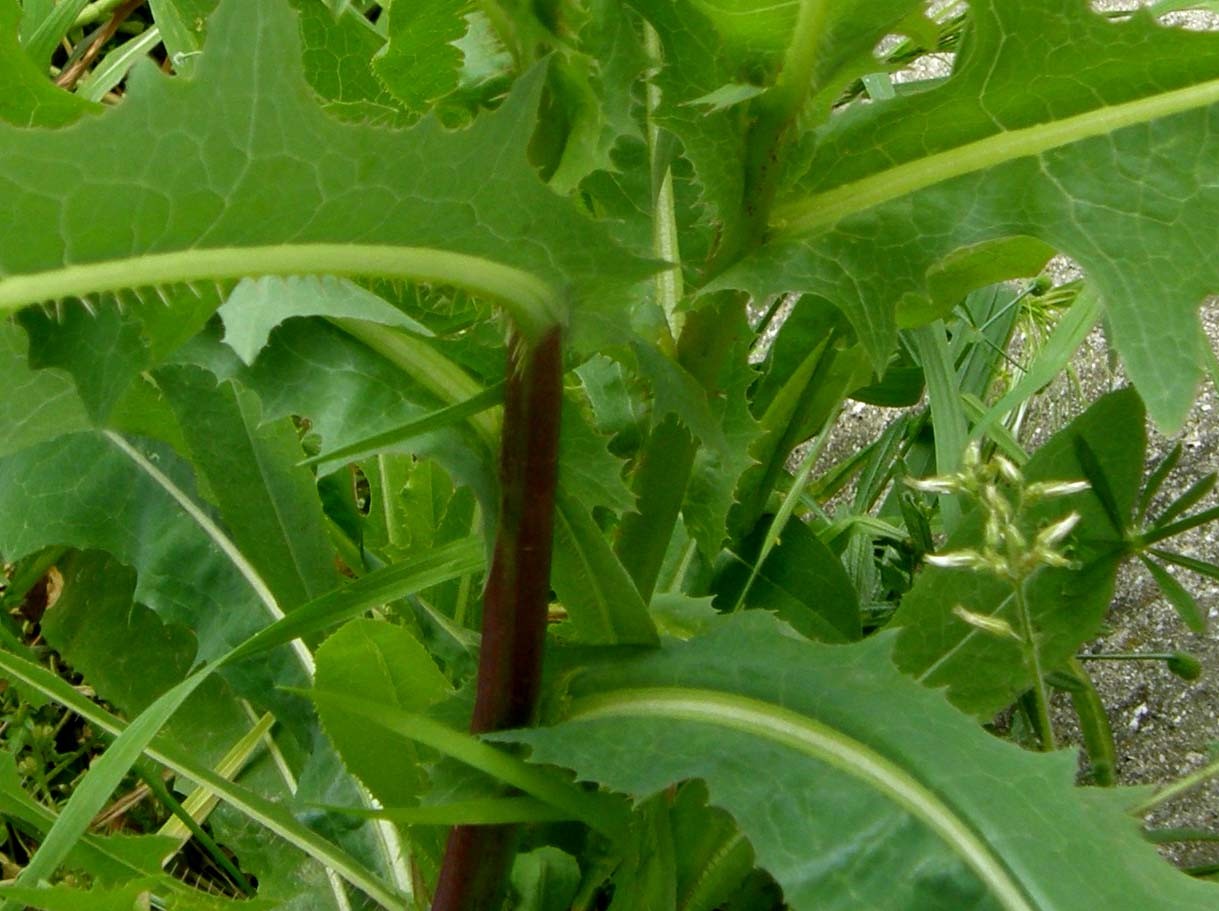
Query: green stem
[1094, 725]
[668, 455]
[477, 858]
[162, 793]
[1041, 697]
[774, 113]
[1177, 788]
[1128, 656]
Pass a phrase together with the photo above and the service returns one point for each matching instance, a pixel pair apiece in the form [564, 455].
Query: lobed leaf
[1097, 162]
[867, 778]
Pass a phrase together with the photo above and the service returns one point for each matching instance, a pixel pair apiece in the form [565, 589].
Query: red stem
[477, 858]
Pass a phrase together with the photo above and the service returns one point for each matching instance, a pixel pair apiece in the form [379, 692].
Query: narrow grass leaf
[1050, 360]
[379, 442]
[595, 811]
[1185, 604]
[1201, 567]
[947, 415]
[1163, 468]
[136, 738]
[1195, 492]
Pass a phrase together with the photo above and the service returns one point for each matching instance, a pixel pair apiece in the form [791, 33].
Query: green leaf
[1161, 472]
[1195, 492]
[647, 876]
[256, 306]
[94, 611]
[697, 64]
[138, 737]
[348, 393]
[437, 420]
[718, 469]
[545, 879]
[71, 342]
[42, 29]
[269, 503]
[29, 98]
[595, 810]
[808, 372]
[710, 44]
[604, 604]
[588, 472]
[727, 96]
[1202, 567]
[802, 582]
[1051, 359]
[1076, 152]
[182, 23]
[421, 61]
[382, 663]
[210, 203]
[984, 673]
[866, 776]
[947, 414]
[114, 67]
[485, 811]
[38, 405]
[1178, 596]
[339, 46]
[122, 898]
[596, 90]
[97, 490]
[111, 860]
[106, 772]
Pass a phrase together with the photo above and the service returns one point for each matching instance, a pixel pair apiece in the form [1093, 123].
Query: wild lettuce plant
[387, 396]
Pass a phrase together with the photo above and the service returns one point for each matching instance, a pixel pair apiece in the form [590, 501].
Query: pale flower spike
[996, 626]
[957, 559]
[1047, 489]
[1008, 470]
[1053, 534]
[933, 484]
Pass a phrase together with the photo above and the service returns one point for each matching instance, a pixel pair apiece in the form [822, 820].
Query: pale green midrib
[533, 304]
[823, 210]
[821, 742]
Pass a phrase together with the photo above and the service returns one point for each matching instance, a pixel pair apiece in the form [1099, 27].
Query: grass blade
[1182, 601]
[437, 420]
[1163, 468]
[1196, 491]
[1051, 359]
[589, 808]
[947, 415]
[1201, 567]
[137, 738]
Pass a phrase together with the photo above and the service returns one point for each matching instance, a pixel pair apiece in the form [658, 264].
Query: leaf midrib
[819, 741]
[534, 305]
[824, 210]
